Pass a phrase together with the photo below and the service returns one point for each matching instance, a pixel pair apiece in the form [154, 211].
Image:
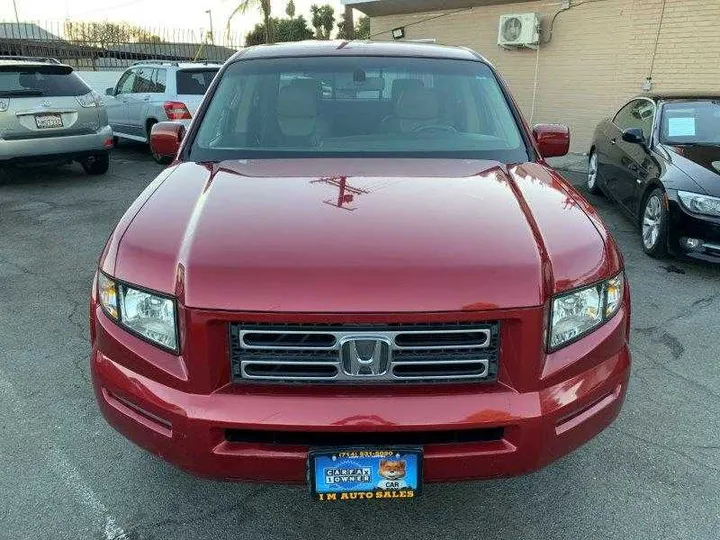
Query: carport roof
[376, 8]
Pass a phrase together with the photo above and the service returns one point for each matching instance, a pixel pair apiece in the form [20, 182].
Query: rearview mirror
[109, 91]
[165, 138]
[553, 140]
[633, 135]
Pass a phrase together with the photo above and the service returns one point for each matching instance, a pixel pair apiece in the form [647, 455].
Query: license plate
[365, 473]
[46, 121]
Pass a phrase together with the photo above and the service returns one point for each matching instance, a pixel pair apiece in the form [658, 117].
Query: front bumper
[684, 224]
[191, 429]
[47, 148]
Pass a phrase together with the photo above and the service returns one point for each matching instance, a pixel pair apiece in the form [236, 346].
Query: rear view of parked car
[153, 92]
[48, 114]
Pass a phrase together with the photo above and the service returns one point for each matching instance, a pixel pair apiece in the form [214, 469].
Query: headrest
[418, 103]
[297, 107]
[299, 99]
[400, 85]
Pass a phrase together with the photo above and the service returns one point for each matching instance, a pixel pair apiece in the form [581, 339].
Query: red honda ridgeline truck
[360, 273]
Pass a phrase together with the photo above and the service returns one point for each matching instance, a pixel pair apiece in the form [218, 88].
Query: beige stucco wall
[599, 56]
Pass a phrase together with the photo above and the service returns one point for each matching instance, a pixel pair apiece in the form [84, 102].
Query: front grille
[370, 438]
[365, 354]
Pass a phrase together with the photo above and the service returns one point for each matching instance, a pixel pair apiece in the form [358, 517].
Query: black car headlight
[581, 311]
[700, 204]
[149, 315]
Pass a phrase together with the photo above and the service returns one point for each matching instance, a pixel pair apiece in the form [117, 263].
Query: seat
[397, 89]
[416, 108]
[400, 85]
[296, 121]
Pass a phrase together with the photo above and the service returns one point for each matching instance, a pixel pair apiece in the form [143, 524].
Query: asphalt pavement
[64, 474]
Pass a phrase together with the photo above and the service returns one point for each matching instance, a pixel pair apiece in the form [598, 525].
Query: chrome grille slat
[246, 345]
[426, 353]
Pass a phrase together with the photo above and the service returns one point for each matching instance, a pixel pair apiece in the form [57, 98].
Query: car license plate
[365, 473]
[45, 121]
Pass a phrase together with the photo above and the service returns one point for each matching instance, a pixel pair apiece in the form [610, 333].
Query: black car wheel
[654, 225]
[162, 160]
[97, 164]
[593, 174]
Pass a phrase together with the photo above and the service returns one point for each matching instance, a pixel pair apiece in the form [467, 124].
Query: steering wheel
[435, 127]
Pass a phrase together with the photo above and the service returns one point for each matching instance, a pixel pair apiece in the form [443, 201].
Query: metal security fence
[99, 46]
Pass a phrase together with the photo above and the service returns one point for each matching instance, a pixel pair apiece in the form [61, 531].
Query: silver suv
[48, 114]
[157, 91]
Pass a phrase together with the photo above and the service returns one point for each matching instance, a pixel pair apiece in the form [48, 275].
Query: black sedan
[658, 157]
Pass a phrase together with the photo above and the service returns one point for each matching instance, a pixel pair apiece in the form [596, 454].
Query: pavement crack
[707, 301]
[75, 304]
[671, 342]
[700, 303]
[80, 365]
[58, 285]
[665, 338]
[81, 328]
[666, 366]
[671, 449]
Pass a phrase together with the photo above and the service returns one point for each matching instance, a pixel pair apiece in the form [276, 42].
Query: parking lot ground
[64, 474]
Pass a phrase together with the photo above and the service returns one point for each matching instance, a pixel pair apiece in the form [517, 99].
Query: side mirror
[165, 138]
[553, 140]
[633, 135]
[109, 91]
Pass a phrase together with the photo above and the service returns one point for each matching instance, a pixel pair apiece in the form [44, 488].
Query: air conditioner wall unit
[519, 30]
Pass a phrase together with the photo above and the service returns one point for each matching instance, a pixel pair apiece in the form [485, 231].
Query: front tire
[592, 179]
[97, 164]
[654, 225]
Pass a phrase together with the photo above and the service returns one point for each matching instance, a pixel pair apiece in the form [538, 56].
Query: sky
[175, 14]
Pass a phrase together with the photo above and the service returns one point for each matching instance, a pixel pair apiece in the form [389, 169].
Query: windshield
[195, 82]
[30, 81]
[358, 107]
[691, 122]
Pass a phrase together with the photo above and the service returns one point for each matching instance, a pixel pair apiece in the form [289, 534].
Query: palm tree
[266, 9]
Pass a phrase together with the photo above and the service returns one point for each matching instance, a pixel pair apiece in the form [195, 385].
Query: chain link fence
[100, 46]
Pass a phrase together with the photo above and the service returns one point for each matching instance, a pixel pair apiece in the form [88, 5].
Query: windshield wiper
[21, 93]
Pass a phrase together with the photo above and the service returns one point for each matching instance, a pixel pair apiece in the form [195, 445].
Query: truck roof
[357, 48]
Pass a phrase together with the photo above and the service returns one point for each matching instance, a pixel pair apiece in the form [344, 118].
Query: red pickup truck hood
[360, 236]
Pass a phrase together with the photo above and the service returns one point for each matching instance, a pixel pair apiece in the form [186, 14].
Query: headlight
[579, 312]
[700, 204]
[149, 315]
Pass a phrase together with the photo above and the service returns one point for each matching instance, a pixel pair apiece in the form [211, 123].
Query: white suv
[156, 91]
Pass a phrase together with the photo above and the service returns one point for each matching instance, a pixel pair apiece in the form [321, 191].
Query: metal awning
[377, 8]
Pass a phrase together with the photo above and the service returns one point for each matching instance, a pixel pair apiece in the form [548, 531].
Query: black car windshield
[691, 122]
[50, 80]
[358, 107]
